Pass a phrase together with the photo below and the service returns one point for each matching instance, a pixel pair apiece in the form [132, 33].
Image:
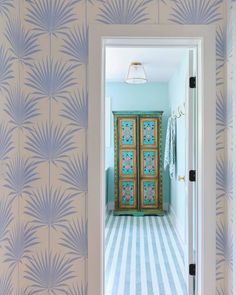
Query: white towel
[170, 146]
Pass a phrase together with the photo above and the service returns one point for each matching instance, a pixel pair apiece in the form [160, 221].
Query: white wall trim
[166, 206]
[176, 226]
[187, 35]
[110, 206]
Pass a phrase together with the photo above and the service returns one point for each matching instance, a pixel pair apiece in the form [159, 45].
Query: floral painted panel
[128, 163]
[128, 193]
[149, 193]
[149, 165]
[127, 129]
[148, 132]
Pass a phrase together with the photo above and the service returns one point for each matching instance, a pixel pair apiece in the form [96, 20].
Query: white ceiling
[159, 63]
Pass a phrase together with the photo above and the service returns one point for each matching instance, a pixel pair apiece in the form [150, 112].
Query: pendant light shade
[136, 74]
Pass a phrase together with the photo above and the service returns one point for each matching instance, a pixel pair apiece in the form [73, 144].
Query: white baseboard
[176, 225]
[166, 207]
[110, 206]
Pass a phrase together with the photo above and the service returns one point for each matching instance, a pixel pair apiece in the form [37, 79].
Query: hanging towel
[170, 147]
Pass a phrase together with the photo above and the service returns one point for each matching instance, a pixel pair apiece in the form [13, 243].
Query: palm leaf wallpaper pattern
[6, 286]
[221, 176]
[5, 68]
[75, 174]
[75, 239]
[221, 120]
[222, 52]
[51, 79]
[230, 181]
[224, 245]
[49, 272]
[221, 46]
[75, 110]
[5, 141]
[76, 45]
[77, 290]
[20, 175]
[21, 108]
[196, 12]
[220, 292]
[6, 218]
[49, 208]
[23, 43]
[25, 291]
[221, 113]
[51, 17]
[19, 244]
[50, 143]
[5, 5]
[43, 134]
[123, 12]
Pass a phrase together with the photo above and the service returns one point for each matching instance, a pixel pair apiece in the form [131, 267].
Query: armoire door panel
[149, 132]
[149, 163]
[127, 165]
[127, 132]
[149, 193]
[128, 193]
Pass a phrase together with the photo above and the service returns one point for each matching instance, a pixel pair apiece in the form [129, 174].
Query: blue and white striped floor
[143, 256]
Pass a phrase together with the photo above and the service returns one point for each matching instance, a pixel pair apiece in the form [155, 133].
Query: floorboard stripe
[108, 229]
[133, 259]
[154, 281]
[129, 255]
[143, 256]
[177, 239]
[163, 263]
[115, 286]
[123, 256]
[111, 241]
[138, 276]
[159, 267]
[112, 258]
[171, 238]
[174, 267]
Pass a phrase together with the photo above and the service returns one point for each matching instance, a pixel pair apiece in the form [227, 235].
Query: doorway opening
[202, 145]
[149, 206]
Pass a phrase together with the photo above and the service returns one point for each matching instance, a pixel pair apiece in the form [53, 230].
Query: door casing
[203, 38]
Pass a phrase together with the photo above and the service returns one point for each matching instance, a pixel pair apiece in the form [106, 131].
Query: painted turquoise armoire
[138, 163]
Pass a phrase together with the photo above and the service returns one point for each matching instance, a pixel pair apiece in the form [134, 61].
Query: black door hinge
[192, 175]
[192, 82]
[192, 269]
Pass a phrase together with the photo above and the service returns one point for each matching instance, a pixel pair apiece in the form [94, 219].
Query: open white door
[190, 173]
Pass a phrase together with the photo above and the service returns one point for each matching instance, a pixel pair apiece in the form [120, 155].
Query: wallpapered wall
[43, 127]
[229, 233]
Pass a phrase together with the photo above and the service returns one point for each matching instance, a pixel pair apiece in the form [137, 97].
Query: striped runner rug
[143, 256]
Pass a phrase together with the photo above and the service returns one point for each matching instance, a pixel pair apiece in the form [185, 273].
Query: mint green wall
[177, 92]
[146, 97]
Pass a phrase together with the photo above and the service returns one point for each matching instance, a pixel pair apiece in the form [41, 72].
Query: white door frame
[165, 35]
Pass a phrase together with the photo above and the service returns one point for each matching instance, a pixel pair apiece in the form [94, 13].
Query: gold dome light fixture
[136, 74]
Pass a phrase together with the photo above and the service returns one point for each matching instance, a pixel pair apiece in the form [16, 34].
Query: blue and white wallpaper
[43, 135]
[229, 234]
